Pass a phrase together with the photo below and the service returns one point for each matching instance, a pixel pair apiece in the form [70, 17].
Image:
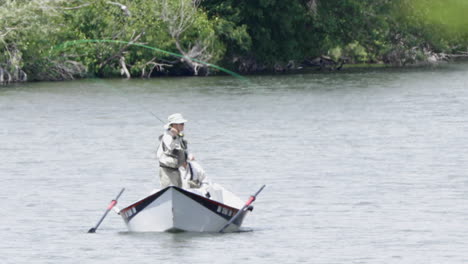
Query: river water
[361, 166]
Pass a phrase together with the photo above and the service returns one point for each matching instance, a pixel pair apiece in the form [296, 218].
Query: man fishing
[172, 151]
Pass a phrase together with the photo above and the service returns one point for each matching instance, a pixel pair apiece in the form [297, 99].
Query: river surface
[362, 166]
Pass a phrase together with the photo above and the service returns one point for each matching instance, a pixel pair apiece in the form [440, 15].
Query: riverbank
[64, 40]
[326, 65]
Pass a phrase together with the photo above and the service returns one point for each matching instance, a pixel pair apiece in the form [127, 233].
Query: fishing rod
[148, 111]
[156, 117]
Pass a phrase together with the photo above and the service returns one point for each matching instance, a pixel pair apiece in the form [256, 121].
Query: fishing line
[77, 42]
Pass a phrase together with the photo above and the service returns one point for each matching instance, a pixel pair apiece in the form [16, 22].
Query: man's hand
[174, 131]
[190, 157]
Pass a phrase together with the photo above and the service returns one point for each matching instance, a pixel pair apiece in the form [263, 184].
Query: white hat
[175, 119]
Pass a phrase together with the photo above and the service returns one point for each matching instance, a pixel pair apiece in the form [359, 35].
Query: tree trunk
[1, 76]
[124, 70]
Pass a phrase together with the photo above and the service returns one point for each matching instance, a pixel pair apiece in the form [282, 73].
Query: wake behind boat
[174, 209]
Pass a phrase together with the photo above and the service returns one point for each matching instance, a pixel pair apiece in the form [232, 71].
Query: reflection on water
[360, 166]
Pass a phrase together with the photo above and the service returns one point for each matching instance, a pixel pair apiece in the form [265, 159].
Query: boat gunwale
[185, 192]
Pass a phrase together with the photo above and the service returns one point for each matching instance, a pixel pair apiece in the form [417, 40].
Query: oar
[247, 204]
[111, 205]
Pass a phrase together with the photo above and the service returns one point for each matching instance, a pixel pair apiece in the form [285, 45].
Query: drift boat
[173, 209]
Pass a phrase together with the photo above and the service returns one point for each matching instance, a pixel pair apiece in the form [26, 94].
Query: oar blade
[111, 205]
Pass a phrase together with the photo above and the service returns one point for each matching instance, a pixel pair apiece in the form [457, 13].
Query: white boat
[174, 209]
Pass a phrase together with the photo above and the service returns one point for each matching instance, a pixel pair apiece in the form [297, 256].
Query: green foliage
[265, 33]
[356, 52]
[25, 34]
[441, 24]
[269, 30]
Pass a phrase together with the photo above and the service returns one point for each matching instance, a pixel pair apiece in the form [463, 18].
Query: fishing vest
[172, 151]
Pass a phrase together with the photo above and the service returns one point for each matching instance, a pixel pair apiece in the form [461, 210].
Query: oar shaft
[247, 204]
[100, 220]
[111, 205]
[255, 195]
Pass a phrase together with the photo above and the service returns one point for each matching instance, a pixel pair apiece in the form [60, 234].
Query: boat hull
[174, 209]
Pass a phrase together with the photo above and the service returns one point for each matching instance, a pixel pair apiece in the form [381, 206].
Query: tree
[182, 15]
[276, 31]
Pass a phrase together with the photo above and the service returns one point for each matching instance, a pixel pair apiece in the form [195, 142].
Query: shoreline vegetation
[244, 36]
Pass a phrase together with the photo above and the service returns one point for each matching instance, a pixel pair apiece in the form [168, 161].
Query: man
[194, 176]
[172, 151]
